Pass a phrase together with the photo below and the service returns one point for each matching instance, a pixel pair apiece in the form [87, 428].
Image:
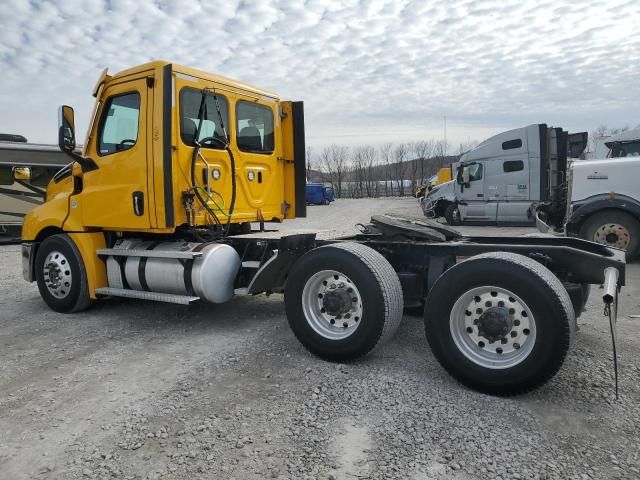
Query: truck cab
[171, 152]
[498, 180]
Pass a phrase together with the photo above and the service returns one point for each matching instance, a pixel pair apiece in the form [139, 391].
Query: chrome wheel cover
[331, 287]
[57, 275]
[472, 315]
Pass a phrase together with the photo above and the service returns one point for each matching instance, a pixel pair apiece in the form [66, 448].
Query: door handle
[479, 194]
[138, 203]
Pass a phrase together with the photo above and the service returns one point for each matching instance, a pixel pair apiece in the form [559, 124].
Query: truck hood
[611, 175]
[444, 190]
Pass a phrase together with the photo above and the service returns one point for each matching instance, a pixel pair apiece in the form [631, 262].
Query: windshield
[631, 149]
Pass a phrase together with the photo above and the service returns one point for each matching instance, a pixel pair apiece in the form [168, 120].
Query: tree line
[388, 170]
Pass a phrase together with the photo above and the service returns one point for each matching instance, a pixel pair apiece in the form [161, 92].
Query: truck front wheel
[343, 300]
[500, 323]
[61, 275]
[613, 228]
[452, 215]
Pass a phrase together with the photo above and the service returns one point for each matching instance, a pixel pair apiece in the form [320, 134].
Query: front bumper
[28, 259]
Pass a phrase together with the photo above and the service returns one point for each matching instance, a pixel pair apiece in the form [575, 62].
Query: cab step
[153, 296]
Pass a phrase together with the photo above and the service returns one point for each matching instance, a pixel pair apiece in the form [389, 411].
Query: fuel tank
[209, 276]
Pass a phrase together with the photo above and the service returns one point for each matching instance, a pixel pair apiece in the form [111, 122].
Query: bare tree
[422, 150]
[385, 155]
[359, 171]
[400, 165]
[333, 160]
[370, 159]
[363, 164]
[308, 159]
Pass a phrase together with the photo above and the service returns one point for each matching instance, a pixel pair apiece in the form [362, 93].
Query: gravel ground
[134, 390]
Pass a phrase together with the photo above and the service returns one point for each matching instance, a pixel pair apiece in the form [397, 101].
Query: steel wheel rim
[612, 234]
[57, 275]
[325, 323]
[466, 322]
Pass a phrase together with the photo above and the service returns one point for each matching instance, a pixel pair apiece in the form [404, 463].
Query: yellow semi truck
[178, 164]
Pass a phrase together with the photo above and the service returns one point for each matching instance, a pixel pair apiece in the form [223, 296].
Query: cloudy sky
[369, 71]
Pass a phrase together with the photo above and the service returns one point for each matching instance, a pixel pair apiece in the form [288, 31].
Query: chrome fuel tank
[210, 275]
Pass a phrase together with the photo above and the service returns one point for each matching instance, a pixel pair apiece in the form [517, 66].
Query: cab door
[115, 195]
[512, 178]
[473, 203]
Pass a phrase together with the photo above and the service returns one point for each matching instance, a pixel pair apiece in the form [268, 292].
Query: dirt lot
[134, 390]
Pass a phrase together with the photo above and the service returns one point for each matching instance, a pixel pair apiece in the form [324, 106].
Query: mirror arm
[86, 163]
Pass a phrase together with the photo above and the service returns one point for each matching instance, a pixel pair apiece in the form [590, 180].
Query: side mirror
[22, 173]
[465, 175]
[66, 129]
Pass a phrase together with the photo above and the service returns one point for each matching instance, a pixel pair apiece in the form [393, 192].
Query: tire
[452, 215]
[614, 228]
[541, 335]
[69, 291]
[363, 274]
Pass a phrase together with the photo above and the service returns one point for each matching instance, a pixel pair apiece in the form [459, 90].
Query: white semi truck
[500, 179]
[600, 200]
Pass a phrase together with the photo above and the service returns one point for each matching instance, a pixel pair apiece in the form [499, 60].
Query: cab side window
[512, 166]
[475, 172]
[255, 127]
[212, 130]
[119, 124]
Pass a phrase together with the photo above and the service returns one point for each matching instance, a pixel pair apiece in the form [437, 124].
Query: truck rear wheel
[500, 323]
[452, 215]
[613, 228]
[343, 300]
[61, 275]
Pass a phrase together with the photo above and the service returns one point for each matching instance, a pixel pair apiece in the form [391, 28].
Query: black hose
[232, 205]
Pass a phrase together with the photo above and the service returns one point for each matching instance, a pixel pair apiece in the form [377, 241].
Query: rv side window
[6, 176]
[511, 144]
[513, 166]
[475, 172]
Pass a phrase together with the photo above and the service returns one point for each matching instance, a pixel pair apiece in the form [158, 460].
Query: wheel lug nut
[516, 346]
